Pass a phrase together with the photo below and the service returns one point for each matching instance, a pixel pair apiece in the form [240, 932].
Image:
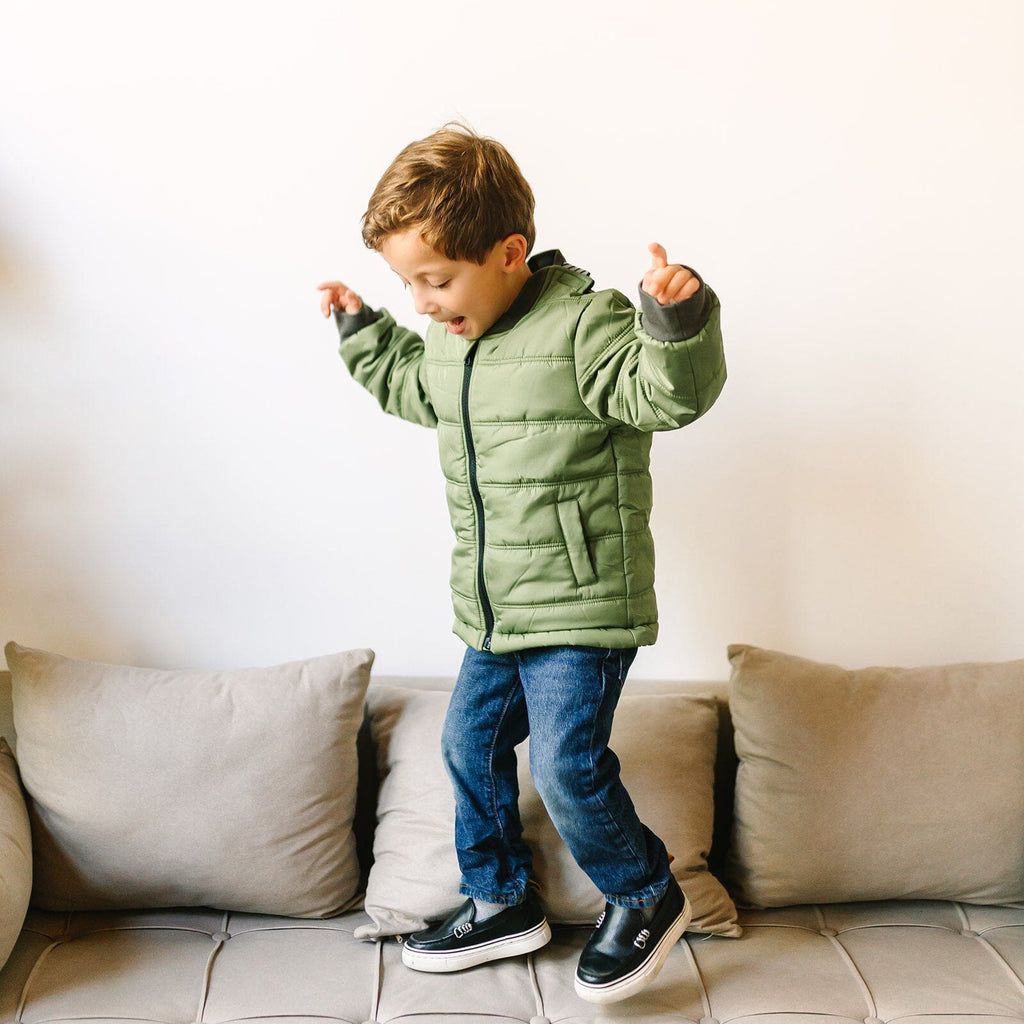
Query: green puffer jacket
[544, 427]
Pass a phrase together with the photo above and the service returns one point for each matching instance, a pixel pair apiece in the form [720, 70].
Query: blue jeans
[564, 699]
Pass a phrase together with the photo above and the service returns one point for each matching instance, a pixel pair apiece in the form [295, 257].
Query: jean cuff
[646, 897]
[505, 899]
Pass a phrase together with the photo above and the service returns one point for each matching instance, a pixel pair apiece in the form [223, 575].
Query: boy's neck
[514, 286]
[513, 311]
[518, 279]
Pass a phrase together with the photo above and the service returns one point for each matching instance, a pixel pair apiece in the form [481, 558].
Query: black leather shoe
[629, 947]
[459, 942]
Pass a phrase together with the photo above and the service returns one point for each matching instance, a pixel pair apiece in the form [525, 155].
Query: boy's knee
[461, 748]
[558, 782]
[451, 748]
[458, 729]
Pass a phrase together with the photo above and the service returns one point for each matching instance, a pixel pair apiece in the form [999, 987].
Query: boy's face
[468, 298]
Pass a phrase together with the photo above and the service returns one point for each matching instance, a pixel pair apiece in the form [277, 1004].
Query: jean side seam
[640, 861]
[493, 787]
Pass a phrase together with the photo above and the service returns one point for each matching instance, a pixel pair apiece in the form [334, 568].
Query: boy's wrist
[677, 321]
[351, 323]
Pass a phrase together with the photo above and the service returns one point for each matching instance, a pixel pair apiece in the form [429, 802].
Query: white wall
[190, 478]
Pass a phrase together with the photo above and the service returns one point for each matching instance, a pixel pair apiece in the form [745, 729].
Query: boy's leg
[571, 694]
[486, 720]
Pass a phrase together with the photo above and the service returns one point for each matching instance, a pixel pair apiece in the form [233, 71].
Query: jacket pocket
[571, 522]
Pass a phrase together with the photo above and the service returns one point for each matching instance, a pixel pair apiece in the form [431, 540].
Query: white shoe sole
[496, 949]
[624, 987]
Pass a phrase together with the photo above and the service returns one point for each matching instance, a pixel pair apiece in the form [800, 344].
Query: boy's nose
[422, 304]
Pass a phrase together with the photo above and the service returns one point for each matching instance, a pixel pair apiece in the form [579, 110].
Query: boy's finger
[660, 278]
[683, 284]
[659, 258]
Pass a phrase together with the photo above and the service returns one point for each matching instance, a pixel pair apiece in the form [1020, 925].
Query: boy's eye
[443, 284]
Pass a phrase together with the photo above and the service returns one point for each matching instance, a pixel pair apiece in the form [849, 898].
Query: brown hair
[464, 192]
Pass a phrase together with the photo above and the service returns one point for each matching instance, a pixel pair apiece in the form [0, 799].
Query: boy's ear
[515, 249]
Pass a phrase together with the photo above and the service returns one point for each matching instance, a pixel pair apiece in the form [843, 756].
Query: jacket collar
[554, 258]
[548, 258]
[549, 270]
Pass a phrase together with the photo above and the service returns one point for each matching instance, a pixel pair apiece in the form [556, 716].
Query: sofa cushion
[151, 788]
[6, 716]
[15, 854]
[666, 744]
[877, 783]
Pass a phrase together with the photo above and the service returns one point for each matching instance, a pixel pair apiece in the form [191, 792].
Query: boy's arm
[383, 357]
[658, 368]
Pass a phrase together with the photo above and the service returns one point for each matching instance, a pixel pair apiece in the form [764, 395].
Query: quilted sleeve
[387, 360]
[628, 376]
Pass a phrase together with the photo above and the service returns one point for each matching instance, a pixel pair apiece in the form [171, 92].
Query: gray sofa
[869, 826]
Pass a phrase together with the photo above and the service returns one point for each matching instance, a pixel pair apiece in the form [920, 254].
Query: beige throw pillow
[666, 745]
[880, 783]
[155, 788]
[15, 854]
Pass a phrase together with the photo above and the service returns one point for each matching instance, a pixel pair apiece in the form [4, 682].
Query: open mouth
[456, 325]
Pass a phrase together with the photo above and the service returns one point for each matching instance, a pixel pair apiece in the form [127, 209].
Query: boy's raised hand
[334, 295]
[668, 282]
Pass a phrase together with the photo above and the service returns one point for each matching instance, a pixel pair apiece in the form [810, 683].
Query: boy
[544, 393]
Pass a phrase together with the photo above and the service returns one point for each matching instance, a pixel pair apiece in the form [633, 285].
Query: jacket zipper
[478, 502]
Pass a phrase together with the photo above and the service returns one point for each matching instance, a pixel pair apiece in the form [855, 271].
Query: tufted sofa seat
[926, 962]
[843, 957]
